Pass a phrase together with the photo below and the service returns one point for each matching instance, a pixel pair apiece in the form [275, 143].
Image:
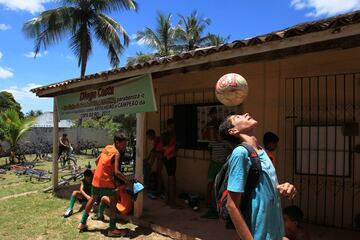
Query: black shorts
[170, 165]
[82, 199]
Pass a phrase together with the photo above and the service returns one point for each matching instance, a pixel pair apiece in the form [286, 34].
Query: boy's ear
[233, 131]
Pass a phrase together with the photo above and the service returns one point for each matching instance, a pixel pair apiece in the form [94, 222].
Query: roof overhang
[347, 36]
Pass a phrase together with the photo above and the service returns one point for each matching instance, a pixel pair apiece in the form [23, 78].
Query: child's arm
[83, 192]
[97, 160]
[233, 201]
[117, 172]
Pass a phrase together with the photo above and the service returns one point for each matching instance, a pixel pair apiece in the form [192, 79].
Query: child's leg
[159, 177]
[73, 197]
[112, 212]
[209, 194]
[105, 201]
[86, 212]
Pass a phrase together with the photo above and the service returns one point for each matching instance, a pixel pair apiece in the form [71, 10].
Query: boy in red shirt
[270, 141]
[155, 157]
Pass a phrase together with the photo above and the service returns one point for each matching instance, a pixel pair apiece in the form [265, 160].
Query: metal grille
[193, 96]
[321, 136]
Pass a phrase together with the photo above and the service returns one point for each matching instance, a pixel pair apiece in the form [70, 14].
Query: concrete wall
[265, 102]
[99, 136]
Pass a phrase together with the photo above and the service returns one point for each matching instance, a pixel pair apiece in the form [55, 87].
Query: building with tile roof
[304, 85]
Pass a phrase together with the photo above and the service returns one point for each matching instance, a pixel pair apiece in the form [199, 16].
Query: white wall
[36, 135]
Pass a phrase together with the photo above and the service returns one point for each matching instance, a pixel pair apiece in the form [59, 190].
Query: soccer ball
[231, 89]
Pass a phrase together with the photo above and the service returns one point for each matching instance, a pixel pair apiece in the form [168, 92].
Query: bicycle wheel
[73, 176]
[50, 188]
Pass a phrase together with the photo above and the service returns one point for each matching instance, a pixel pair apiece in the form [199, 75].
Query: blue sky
[19, 71]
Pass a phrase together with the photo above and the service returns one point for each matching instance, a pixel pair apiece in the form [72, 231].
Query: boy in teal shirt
[262, 219]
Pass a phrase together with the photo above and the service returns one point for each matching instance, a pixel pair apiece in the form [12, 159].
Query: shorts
[170, 165]
[82, 199]
[146, 172]
[214, 169]
[103, 191]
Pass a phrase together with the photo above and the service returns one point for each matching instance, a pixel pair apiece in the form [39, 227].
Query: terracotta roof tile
[297, 30]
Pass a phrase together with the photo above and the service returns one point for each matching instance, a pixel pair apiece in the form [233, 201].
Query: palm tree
[216, 40]
[81, 19]
[13, 128]
[33, 113]
[162, 39]
[191, 34]
[140, 57]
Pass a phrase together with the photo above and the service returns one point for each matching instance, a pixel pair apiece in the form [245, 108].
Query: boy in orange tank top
[108, 167]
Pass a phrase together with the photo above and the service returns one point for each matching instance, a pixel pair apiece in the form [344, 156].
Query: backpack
[221, 182]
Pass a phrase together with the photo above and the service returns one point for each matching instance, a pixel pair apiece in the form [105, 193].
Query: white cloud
[6, 73]
[24, 92]
[32, 6]
[28, 100]
[1, 55]
[4, 27]
[32, 54]
[325, 7]
[134, 42]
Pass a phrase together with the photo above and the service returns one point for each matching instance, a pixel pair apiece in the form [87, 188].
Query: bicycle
[65, 180]
[68, 159]
[38, 174]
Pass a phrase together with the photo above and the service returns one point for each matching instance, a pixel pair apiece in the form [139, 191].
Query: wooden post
[140, 148]
[55, 154]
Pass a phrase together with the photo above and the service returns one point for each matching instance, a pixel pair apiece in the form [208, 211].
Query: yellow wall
[265, 102]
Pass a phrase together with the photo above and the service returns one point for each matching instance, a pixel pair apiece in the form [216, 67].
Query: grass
[39, 215]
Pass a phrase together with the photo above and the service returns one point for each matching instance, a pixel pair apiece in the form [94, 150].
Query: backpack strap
[253, 175]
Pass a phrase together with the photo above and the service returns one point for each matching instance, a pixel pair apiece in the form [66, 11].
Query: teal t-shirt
[264, 219]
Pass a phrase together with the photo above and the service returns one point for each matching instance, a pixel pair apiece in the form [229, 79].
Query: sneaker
[116, 233]
[68, 213]
[82, 227]
[97, 217]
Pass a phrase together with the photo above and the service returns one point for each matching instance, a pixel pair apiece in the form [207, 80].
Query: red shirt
[271, 156]
[169, 150]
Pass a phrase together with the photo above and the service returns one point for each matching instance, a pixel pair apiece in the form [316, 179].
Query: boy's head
[292, 217]
[270, 141]
[64, 135]
[235, 125]
[88, 175]
[120, 141]
[150, 134]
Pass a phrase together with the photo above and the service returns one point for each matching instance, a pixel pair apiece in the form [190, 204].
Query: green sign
[135, 95]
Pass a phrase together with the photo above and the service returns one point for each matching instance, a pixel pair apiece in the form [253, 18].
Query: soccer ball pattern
[231, 89]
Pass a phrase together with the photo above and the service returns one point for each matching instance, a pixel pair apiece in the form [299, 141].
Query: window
[197, 124]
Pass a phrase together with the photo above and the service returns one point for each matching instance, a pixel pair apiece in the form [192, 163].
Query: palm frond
[50, 27]
[13, 127]
[106, 31]
[110, 5]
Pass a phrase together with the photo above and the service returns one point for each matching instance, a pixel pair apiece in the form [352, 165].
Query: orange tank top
[103, 176]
